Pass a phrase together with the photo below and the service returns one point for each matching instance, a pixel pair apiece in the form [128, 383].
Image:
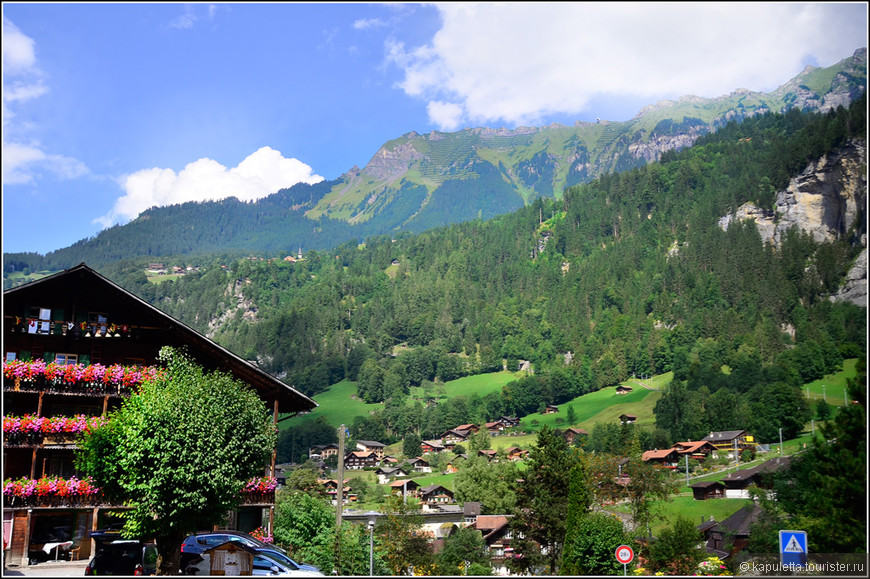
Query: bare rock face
[828, 200]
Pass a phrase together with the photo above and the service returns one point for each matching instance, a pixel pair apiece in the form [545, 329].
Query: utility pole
[339, 495]
[687, 469]
[780, 443]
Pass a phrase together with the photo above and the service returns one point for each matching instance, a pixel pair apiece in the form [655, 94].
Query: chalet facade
[497, 539]
[419, 464]
[730, 440]
[738, 482]
[667, 458]
[729, 537]
[323, 451]
[698, 450]
[432, 446]
[79, 326]
[572, 434]
[371, 446]
[434, 496]
[622, 390]
[405, 488]
[711, 489]
[627, 418]
[358, 460]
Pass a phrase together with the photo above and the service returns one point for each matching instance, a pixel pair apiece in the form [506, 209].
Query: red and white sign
[624, 554]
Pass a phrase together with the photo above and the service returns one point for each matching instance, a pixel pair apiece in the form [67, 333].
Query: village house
[488, 454]
[495, 428]
[387, 473]
[453, 437]
[358, 460]
[627, 418]
[737, 483]
[331, 490]
[419, 464]
[699, 450]
[727, 441]
[667, 458]
[405, 488]
[711, 489]
[497, 540]
[433, 446]
[622, 389]
[323, 451]
[80, 319]
[515, 453]
[371, 446]
[729, 537]
[433, 496]
[572, 434]
[550, 409]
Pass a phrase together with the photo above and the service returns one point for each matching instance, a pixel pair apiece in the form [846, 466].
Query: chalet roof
[658, 454]
[740, 522]
[706, 484]
[87, 288]
[407, 483]
[724, 436]
[688, 447]
[371, 443]
[435, 488]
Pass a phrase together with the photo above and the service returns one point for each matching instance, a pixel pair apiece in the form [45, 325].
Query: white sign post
[624, 554]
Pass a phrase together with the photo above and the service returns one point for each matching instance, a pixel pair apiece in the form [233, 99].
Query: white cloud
[518, 62]
[23, 158]
[365, 23]
[262, 173]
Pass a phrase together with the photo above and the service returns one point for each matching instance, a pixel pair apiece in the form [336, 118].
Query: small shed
[231, 558]
[708, 490]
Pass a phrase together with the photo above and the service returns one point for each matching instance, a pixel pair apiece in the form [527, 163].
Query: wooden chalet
[729, 440]
[419, 464]
[83, 322]
[729, 537]
[497, 540]
[323, 451]
[710, 489]
[387, 473]
[622, 389]
[737, 483]
[358, 460]
[405, 488]
[698, 450]
[627, 418]
[572, 434]
[435, 495]
[667, 458]
[432, 446]
[371, 446]
[550, 409]
[453, 437]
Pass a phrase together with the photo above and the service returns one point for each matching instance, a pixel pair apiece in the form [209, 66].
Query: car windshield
[284, 559]
[265, 562]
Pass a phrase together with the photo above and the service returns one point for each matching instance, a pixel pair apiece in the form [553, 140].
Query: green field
[832, 387]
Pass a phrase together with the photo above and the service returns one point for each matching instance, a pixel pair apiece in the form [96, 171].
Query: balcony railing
[90, 380]
[30, 430]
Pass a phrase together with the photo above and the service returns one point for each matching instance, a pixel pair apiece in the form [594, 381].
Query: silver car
[268, 562]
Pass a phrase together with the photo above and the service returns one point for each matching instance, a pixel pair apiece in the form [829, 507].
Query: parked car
[272, 553]
[194, 545]
[273, 563]
[115, 555]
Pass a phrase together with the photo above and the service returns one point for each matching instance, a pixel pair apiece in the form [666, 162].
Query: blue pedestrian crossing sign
[793, 547]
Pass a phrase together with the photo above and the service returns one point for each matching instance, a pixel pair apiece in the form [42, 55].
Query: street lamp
[372, 517]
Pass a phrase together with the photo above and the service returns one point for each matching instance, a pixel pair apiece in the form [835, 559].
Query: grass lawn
[689, 508]
[339, 404]
[832, 388]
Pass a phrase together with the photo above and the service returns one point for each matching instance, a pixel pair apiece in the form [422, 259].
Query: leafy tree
[824, 490]
[676, 551]
[464, 547]
[492, 484]
[591, 543]
[179, 452]
[411, 446]
[399, 540]
[647, 484]
[305, 526]
[542, 496]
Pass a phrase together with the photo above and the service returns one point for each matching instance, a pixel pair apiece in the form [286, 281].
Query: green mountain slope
[417, 182]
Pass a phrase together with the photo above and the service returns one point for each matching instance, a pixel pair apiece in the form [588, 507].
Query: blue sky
[109, 109]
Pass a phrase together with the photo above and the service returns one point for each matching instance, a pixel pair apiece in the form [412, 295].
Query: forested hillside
[417, 182]
[629, 274]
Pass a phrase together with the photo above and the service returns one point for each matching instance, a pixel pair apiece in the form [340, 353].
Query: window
[42, 322]
[10, 356]
[66, 359]
[98, 322]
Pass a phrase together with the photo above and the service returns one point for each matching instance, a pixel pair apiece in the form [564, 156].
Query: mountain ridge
[419, 181]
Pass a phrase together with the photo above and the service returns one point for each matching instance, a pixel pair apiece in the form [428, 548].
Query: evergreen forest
[629, 274]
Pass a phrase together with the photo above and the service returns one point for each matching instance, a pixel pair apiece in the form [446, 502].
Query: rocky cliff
[828, 200]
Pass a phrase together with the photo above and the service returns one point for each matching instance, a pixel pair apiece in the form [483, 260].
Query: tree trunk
[169, 552]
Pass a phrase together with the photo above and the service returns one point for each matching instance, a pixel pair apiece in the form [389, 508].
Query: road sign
[624, 554]
[793, 547]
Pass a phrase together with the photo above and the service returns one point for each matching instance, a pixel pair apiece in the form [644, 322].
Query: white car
[269, 563]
